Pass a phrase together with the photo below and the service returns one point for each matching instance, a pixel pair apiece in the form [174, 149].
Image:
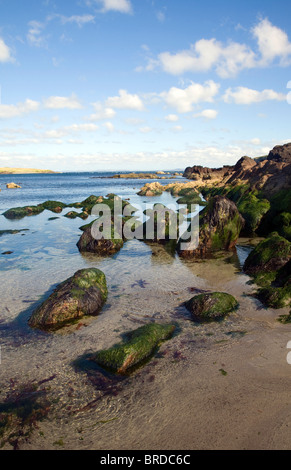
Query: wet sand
[214, 386]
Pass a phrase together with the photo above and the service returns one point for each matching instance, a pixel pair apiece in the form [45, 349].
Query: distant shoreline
[21, 171]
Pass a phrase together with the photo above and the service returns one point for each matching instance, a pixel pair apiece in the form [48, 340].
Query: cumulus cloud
[243, 95]
[109, 126]
[62, 102]
[10, 110]
[207, 114]
[5, 52]
[227, 59]
[123, 6]
[172, 118]
[183, 99]
[101, 112]
[125, 101]
[272, 42]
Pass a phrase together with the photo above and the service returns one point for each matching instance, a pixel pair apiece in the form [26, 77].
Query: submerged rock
[20, 212]
[219, 227]
[54, 206]
[211, 307]
[88, 243]
[82, 294]
[139, 345]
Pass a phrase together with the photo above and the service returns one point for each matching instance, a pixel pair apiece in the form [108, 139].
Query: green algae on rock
[82, 294]
[54, 206]
[139, 345]
[220, 225]
[20, 212]
[269, 256]
[269, 264]
[211, 307]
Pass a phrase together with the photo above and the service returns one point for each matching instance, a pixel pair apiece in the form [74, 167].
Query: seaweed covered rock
[54, 206]
[220, 226]
[13, 186]
[20, 212]
[102, 246]
[278, 293]
[162, 226]
[82, 294]
[269, 256]
[138, 346]
[211, 307]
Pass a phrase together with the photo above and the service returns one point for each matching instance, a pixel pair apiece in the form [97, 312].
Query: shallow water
[89, 408]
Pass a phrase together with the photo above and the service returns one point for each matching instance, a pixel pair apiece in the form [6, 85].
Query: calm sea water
[65, 187]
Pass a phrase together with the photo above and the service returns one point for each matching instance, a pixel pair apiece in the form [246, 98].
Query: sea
[145, 284]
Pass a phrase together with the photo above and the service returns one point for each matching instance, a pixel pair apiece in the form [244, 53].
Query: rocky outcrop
[13, 186]
[220, 226]
[82, 294]
[88, 243]
[203, 174]
[269, 264]
[211, 307]
[269, 256]
[20, 212]
[269, 175]
[138, 346]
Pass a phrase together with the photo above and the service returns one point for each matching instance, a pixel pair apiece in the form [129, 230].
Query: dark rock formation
[82, 294]
[138, 346]
[220, 226]
[211, 307]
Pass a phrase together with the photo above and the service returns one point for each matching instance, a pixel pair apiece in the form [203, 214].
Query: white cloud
[207, 114]
[272, 42]
[34, 35]
[125, 101]
[227, 59]
[11, 110]
[62, 102]
[101, 113]
[123, 6]
[5, 53]
[172, 118]
[243, 95]
[145, 130]
[68, 130]
[80, 20]
[161, 16]
[109, 126]
[183, 99]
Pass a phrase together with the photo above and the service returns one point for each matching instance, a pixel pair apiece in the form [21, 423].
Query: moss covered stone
[211, 307]
[268, 256]
[220, 224]
[20, 212]
[138, 346]
[82, 294]
[54, 206]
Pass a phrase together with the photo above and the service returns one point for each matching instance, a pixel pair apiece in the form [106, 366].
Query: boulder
[211, 307]
[269, 256]
[20, 212]
[82, 294]
[88, 243]
[138, 346]
[12, 186]
[220, 225]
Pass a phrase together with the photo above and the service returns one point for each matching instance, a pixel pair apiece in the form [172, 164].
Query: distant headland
[21, 171]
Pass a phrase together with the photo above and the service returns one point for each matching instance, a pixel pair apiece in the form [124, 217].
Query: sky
[95, 85]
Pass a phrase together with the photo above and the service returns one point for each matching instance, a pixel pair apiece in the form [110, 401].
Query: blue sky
[142, 84]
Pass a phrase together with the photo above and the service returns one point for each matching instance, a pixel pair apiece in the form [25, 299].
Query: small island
[22, 171]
